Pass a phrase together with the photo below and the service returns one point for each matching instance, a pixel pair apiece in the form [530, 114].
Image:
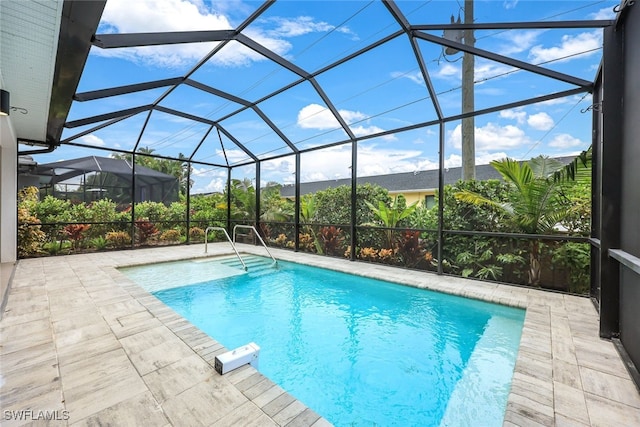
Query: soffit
[28, 45]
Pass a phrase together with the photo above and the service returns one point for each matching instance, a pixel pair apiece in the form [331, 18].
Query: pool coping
[66, 315]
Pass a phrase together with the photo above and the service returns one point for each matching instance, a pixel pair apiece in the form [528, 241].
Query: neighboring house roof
[407, 182]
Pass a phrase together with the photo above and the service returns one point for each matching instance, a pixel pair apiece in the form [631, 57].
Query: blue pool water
[358, 351]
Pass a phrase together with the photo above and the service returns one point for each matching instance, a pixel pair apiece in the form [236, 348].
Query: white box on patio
[247, 354]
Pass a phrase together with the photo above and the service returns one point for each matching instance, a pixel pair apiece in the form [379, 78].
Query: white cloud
[485, 69]
[564, 140]
[415, 77]
[540, 121]
[121, 16]
[518, 41]
[510, 4]
[605, 13]
[91, 139]
[315, 116]
[570, 45]
[491, 137]
[517, 115]
[301, 25]
[447, 71]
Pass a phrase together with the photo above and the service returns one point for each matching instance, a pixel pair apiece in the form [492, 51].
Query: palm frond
[544, 167]
[519, 174]
[578, 170]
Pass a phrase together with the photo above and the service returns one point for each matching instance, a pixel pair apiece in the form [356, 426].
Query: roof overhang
[43, 48]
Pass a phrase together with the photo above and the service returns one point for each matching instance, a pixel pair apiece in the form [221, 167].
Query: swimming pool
[358, 351]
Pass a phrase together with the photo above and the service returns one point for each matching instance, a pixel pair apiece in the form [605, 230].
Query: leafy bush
[75, 233]
[118, 239]
[30, 237]
[170, 236]
[145, 230]
[332, 240]
[100, 242]
[196, 234]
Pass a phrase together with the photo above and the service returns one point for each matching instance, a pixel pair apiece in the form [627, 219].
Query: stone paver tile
[567, 374]
[570, 402]
[601, 356]
[247, 415]
[14, 315]
[82, 318]
[36, 338]
[154, 348]
[518, 416]
[90, 398]
[278, 404]
[203, 404]
[530, 408]
[607, 413]
[12, 332]
[541, 396]
[240, 374]
[305, 419]
[81, 334]
[31, 356]
[179, 376]
[322, 422]
[29, 381]
[249, 382]
[289, 413]
[268, 396]
[87, 348]
[97, 369]
[133, 323]
[562, 421]
[139, 410]
[535, 368]
[610, 387]
[111, 312]
[258, 389]
[49, 403]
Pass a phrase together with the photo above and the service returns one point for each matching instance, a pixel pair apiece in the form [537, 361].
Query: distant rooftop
[404, 182]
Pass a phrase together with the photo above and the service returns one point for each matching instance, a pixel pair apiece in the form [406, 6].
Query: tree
[177, 168]
[536, 204]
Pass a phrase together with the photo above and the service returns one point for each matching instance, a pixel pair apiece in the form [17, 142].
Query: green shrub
[30, 237]
[100, 242]
[170, 236]
[118, 239]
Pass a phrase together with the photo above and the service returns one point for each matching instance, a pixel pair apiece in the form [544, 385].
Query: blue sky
[375, 92]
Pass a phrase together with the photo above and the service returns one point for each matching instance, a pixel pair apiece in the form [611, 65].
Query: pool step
[253, 263]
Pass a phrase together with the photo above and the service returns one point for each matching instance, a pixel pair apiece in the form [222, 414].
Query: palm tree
[536, 205]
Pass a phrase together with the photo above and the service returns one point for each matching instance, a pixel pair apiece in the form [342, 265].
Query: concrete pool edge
[67, 309]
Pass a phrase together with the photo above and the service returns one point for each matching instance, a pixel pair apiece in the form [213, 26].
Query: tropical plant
[76, 233]
[332, 240]
[390, 216]
[100, 242]
[196, 234]
[118, 239]
[535, 206]
[409, 247]
[30, 236]
[172, 235]
[308, 212]
[146, 229]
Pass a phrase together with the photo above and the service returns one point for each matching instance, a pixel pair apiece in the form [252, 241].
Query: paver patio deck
[83, 344]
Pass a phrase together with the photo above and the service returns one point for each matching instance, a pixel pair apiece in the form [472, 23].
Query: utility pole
[468, 100]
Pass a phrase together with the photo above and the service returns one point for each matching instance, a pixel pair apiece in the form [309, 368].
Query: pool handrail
[257, 235]
[206, 233]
